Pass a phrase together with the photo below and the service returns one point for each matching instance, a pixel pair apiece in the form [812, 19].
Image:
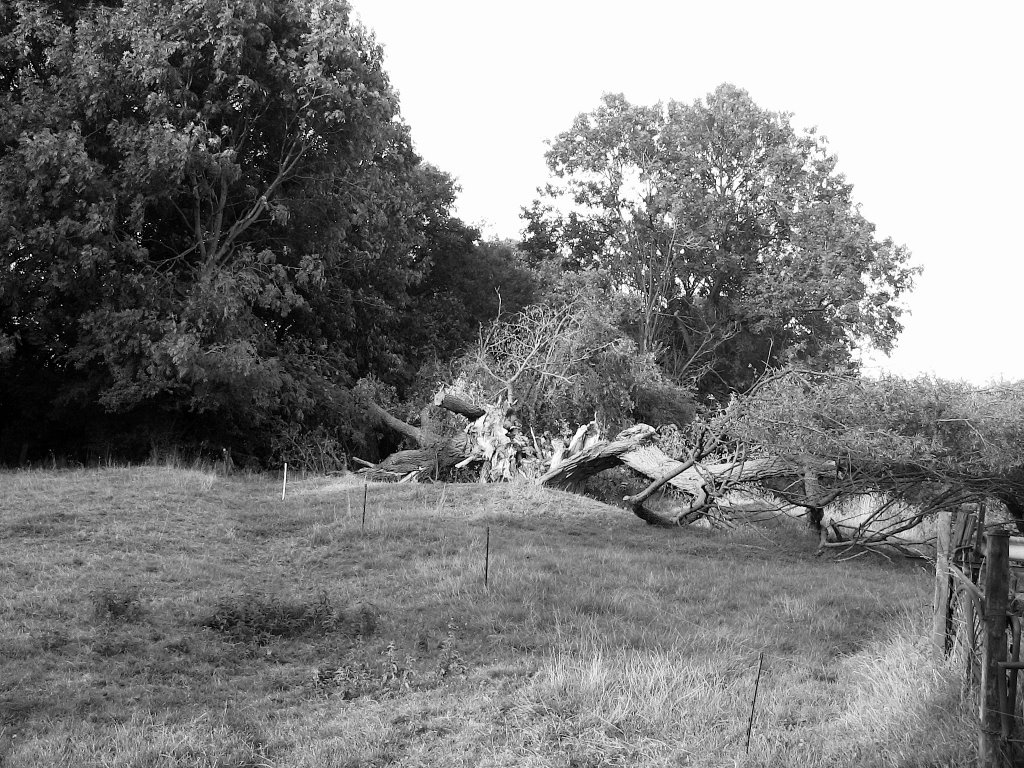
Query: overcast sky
[921, 102]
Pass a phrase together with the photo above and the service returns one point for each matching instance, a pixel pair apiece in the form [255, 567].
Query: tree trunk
[489, 441]
[635, 448]
[417, 434]
[436, 452]
[651, 461]
[572, 471]
[429, 460]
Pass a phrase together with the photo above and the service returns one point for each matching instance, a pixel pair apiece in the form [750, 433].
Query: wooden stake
[362, 525]
[284, 482]
[487, 555]
[753, 703]
[993, 752]
[940, 605]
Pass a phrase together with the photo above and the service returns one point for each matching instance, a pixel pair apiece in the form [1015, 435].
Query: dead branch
[636, 502]
[598, 457]
[456, 404]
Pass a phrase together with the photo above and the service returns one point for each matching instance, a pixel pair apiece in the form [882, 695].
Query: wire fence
[983, 623]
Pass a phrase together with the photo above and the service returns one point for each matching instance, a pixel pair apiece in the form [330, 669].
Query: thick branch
[597, 458]
[698, 453]
[649, 460]
[456, 404]
[397, 424]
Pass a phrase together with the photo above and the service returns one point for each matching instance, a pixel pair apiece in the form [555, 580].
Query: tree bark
[598, 457]
[456, 404]
[436, 452]
[651, 461]
[636, 502]
[431, 459]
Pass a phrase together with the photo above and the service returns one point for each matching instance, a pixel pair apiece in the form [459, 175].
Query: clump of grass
[260, 618]
[117, 603]
[904, 703]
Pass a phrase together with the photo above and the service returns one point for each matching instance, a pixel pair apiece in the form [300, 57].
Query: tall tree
[208, 211]
[738, 240]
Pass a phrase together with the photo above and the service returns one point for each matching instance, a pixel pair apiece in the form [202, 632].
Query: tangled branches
[935, 442]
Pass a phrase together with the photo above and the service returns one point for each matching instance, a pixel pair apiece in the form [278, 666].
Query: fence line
[976, 624]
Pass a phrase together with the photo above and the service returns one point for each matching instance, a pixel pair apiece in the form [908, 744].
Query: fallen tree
[927, 443]
[636, 448]
[492, 439]
[435, 453]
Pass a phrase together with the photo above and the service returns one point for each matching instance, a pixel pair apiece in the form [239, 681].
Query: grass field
[157, 617]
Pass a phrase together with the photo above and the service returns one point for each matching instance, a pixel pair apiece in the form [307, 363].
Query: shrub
[260, 618]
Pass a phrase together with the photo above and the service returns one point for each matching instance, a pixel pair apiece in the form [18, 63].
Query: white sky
[921, 102]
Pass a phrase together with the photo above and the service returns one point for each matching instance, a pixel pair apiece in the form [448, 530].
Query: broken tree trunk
[699, 502]
[427, 460]
[602, 455]
[651, 461]
[491, 438]
[635, 448]
[436, 452]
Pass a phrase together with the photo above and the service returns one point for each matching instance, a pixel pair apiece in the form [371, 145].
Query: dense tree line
[213, 225]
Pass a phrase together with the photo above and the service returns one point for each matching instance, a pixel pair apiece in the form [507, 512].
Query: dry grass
[168, 617]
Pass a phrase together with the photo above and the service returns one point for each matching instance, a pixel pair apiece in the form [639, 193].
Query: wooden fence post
[940, 606]
[993, 747]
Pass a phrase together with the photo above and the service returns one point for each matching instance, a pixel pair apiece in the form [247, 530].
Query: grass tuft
[117, 603]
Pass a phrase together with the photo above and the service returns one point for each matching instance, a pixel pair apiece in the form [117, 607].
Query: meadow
[163, 616]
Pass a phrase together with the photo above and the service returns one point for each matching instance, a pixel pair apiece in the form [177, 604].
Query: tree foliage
[567, 361]
[211, 218]
[733, 234]
[904, 436]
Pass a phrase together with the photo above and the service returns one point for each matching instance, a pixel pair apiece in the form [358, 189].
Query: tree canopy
[213, 223]
[211, 215]
[735, 236]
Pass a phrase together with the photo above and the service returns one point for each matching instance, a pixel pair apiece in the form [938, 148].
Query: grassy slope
[599, 641]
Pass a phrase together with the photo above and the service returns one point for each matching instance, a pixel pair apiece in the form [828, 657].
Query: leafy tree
[211, 216]
[468, 285]
[733, 234]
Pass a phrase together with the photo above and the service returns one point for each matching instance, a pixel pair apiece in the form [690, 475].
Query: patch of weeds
[398, 676]
[350, 681]
[355, 678]
[261, 618]
[117, 603]
[450, 662]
